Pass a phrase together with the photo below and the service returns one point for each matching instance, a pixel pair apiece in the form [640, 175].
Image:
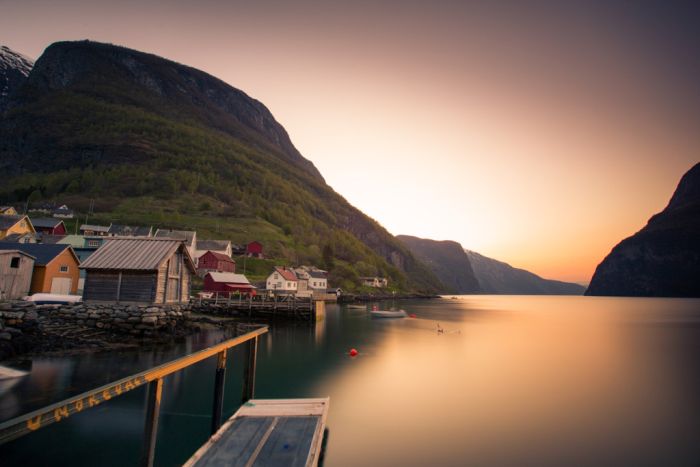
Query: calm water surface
[511, 381]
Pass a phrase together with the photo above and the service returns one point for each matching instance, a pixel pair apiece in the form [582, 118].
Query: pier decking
[269, 432]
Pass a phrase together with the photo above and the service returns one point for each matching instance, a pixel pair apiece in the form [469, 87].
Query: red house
[226, 283]
[254, 249]
[216, 262]
[49, 225]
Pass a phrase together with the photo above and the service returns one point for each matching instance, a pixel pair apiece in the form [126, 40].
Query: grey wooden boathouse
[139, 270]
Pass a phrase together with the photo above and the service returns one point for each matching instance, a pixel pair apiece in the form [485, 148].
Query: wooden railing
[33, 421]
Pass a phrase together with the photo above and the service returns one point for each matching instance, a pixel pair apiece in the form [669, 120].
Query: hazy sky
[539, 133]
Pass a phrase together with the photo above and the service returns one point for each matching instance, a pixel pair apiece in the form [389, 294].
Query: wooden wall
[15, 282]
[108, 286]
[43, 275]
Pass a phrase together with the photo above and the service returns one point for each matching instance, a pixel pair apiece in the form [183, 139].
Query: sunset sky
[538, 134]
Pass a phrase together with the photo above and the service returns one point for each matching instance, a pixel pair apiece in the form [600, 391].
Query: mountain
[14, 69]
[497, 277]
[662, 259]
[447, 260]
[136, 138]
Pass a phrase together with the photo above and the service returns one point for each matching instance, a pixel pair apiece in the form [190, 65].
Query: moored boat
[388, 314]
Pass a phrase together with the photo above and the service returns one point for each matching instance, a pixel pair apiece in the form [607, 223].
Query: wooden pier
[263, 432]
[279, 307]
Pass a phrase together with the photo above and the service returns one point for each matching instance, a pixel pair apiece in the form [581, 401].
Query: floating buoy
[353, 352]
[412, 315]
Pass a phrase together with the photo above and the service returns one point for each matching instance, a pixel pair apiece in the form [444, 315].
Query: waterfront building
[49, 225]
[16, 268]
[226, 283]
[282, 280]
[15, 224]
[139, 270]
[95, 230]
[187, 236]
[213, 261]
[55, 267]
[377, 282]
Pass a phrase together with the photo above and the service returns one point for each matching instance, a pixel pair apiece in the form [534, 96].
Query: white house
[283, 280]
[188, 236]
[377, 282]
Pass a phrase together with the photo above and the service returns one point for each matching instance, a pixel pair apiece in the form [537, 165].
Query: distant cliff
[662, 259]
[496, 277]
[447, 260]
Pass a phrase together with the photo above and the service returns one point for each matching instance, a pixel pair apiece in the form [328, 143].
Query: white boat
[53, 299]
[388, 314]
[357, 307]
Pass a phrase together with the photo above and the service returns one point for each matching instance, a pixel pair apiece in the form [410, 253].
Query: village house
[217, 246]
[7, 211]
[15, 224]
[48, 225]
[312, 279]
[139, 270]
[95, 230]
[282, 280]
[254, 250]
[187, 236]
[117, 230]
[55, 267]
[227, 283]
[213, 261]
[16, 268]
[63, 212]
[377, 282]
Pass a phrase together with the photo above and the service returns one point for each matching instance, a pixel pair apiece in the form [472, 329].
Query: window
[277, 276]
[94, 243]
[64, 268]
[14, 262]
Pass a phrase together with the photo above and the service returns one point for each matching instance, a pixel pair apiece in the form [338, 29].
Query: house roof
[220, 256]
[45, 222]
[287, 274]
[229, 278]
[96, 228]
[7, 221]
[318, 274]
[43, 253]
[17, 237]
[135, 253]
[213, 244]
[186, 235]
[50, 238]
[76, 241]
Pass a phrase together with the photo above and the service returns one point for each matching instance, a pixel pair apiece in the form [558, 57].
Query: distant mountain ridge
[14, 69]
[663, 258]
[447, 260]
[497, 277]
[466, 272]
[155, 142]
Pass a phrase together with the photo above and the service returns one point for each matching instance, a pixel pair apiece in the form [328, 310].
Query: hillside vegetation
[158, 143]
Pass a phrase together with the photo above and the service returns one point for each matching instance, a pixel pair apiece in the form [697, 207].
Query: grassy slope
[144, 168]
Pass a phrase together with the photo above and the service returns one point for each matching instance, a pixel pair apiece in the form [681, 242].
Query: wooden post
[219, 381]
[155, 389]
[251, 349]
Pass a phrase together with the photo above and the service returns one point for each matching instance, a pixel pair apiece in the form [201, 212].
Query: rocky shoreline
[27, 329]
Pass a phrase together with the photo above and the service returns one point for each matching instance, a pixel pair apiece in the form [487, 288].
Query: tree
[327, 253]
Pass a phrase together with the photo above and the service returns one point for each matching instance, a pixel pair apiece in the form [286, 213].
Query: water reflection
[510, 381]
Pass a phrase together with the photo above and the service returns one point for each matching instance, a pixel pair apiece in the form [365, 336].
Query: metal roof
[7, 221]
[186, 235]
[45, 222]
[229, 278]
[135, 253]
[43, 253]
[213, 244]
[287, 274]
[16, 252]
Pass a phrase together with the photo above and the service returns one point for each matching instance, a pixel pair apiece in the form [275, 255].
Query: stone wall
[17, 317]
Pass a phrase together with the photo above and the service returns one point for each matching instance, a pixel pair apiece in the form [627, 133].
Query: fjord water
[510, 381]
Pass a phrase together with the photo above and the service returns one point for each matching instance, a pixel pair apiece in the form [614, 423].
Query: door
[61, 285]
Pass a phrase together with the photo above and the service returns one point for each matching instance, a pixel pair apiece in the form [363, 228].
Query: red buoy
[412, 315]
[353, 352]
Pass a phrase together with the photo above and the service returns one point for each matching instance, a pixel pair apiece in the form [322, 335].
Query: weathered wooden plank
[268, 432]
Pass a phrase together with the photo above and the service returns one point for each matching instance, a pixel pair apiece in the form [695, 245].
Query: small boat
[388, 314]
[53, 299]
[357, 307]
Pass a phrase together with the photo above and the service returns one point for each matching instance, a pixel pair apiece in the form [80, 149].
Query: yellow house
[7, 211]
[15, 225]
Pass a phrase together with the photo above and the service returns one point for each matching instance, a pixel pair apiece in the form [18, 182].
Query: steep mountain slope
[153, 141]
[447, 260]
[662, 259]
[496, 277]
[14, 69]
